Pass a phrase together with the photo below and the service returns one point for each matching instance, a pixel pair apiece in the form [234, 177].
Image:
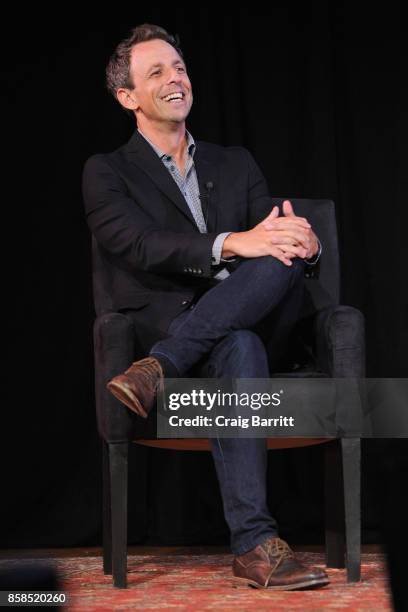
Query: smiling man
[204, 264]
[160, 106]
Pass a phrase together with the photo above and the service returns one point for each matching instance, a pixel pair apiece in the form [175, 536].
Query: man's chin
[177, 117]
[179, 114]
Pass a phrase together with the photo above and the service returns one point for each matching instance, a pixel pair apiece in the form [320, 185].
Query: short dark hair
[118, 68]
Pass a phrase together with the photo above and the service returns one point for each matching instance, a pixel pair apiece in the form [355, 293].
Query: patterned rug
[200, 582]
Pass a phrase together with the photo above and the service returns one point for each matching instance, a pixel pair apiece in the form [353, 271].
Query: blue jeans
[240, 329]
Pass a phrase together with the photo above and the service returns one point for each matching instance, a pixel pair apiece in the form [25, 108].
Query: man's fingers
[288, 209]
[281, 222]
[287, 262]
[274, 214]
[283, 256]
[293, 237]
[281, 238]
[293, 250]
[291, 224]
[287, 252]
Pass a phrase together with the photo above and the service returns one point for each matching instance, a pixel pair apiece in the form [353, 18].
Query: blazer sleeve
[125, 230]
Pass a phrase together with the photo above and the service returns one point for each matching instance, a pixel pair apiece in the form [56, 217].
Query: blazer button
[184, 302]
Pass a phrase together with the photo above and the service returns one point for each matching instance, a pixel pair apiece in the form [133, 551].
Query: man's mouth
[176, 97]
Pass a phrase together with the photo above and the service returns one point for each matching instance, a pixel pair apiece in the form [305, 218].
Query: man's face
[157, 70]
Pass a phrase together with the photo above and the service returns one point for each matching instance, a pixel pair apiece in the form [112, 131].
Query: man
[204, 265]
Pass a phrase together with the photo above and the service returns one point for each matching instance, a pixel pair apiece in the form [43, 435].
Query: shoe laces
[275, 547]
[151, 369]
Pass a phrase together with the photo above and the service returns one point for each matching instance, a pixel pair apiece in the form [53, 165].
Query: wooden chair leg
[106, 511]
[118, 464]
[351, 448]
[334, 505]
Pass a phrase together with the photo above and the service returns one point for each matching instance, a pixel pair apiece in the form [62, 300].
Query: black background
[318, 94]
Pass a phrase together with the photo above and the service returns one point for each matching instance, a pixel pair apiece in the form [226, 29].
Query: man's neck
[173, 143]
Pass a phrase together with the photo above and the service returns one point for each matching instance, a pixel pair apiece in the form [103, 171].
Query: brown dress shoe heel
[273, 565]
[138, 386]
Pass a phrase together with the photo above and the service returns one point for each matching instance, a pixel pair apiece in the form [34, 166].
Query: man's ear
[127, 98]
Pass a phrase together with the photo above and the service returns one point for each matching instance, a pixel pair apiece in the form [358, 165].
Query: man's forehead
[151, 52]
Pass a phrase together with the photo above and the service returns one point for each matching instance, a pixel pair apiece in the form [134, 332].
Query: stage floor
[198, 579]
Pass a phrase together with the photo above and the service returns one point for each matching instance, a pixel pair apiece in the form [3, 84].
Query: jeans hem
[153, 353]
[253, 543]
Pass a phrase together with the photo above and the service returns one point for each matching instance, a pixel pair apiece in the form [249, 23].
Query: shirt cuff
[217, 249]
[315, 259]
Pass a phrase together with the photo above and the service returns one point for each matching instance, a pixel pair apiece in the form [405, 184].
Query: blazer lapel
[207, 172]
[142, 154]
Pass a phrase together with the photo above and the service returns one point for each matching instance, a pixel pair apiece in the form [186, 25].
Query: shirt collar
[191, 146]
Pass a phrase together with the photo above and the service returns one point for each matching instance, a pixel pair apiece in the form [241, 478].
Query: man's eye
[159, 71]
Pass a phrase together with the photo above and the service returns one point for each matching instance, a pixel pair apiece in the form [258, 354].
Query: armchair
[336, 336]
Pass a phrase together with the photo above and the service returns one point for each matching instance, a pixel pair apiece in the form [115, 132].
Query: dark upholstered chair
[337, 341]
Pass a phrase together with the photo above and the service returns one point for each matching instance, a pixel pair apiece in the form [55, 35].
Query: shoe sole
[126, 396]
[285, 587]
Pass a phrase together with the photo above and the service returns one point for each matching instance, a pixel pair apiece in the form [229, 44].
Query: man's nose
[174, 76]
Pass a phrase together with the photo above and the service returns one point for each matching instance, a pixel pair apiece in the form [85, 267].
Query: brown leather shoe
[137, 387]
[272, 565]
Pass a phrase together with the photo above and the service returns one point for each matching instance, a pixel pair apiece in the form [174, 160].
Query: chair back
[324, 290]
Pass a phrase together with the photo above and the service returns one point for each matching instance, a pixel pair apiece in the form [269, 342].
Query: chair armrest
[339, 334]
[114, 349]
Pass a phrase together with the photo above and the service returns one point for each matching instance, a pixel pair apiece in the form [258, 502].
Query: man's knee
[271, 265]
